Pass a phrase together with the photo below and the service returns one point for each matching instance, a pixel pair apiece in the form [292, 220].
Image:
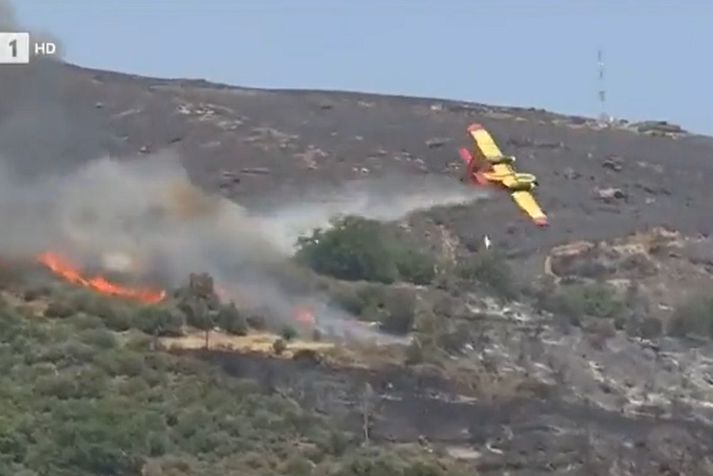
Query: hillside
[576, 349]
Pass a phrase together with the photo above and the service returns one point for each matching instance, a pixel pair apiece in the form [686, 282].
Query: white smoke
[388, 198]
[144, 217]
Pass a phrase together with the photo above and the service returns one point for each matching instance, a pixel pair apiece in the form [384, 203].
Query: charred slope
[528, 436]
[260, 145]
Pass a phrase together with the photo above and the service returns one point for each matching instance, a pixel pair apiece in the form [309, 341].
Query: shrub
[98, 338]
[400, 306]
[36, 292]
[454, 337]
[256, 319]
[115, 314]
[577, 301]
[279, 346]
[288, 333]
[356, 249]
[348, 298]
[160, 321]
[353, 249]
[490, 269]
[60, 309]
[196, 311]
[414, 353]
[415, 267]
[650, 328]
[693, 317]
[230, 320]
[117, 319]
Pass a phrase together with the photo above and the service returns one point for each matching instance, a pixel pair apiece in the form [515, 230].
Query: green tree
[231, 320]
[353, 249]
[160, 320]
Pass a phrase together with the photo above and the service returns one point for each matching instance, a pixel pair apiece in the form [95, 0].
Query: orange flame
[64, 269]
[304, 315]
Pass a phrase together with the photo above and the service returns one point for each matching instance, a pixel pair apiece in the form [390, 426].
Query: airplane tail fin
[472, 172]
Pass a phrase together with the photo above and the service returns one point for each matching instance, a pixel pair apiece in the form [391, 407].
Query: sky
[537, 53]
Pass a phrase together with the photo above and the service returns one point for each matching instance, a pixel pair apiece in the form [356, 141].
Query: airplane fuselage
[487, 165]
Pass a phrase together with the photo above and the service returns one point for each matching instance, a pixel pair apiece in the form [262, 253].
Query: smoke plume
[143, 219]
[384, 198]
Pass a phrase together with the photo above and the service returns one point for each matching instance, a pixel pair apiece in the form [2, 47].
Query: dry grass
[255, 342]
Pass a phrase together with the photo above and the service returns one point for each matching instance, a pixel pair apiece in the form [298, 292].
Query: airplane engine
[505, 159]
[523, 186]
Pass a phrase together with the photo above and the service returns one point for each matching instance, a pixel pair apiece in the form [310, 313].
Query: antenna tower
[604, 118]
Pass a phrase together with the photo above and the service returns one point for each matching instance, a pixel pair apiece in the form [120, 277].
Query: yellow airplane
[487, 165]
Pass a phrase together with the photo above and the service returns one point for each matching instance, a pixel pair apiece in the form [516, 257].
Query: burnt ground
[520, 436]
[299, 138]
[618, 409]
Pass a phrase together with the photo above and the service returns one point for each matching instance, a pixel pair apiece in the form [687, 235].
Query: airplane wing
[485, 143]
[527, 202]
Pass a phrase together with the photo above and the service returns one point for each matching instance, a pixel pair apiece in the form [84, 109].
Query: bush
[415, 353]
[99, 338]
[577, 301]
[60, 309]
[197, 312]
[400, 306]
[160, 321]
[693, 317]
[490, 269]
[115, 314]
[256, 319]
[414, 267]
[353, 249]
[279, 346]
[90, 405]
[357, 249]
[349, 299]
[288, 333]
[230, 320]
[117, 319]
[651, 327]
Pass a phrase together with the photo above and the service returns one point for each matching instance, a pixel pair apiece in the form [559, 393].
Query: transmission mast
[604, 117]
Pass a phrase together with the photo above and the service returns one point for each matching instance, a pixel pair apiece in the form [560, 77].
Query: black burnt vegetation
[356, 249]
[86, 391]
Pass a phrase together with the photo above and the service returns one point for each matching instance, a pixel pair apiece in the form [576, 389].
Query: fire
[71, 274]
[304, 315]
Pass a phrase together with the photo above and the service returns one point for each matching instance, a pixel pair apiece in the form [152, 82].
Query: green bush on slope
[580, 300]
[356, 249]
[78, 399]
[491, 270]
[693, 317]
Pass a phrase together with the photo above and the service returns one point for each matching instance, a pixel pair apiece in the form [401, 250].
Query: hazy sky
[540, 53]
